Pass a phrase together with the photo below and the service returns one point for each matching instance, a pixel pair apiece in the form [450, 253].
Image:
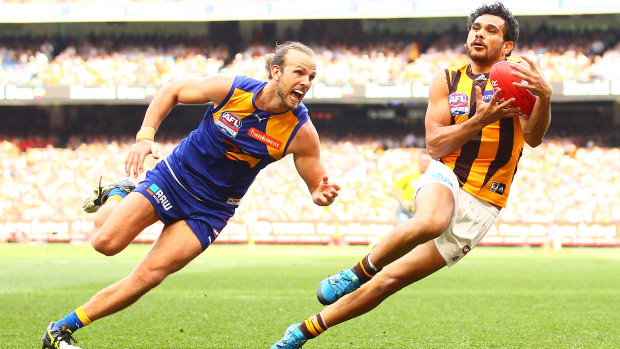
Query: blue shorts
[173, 203]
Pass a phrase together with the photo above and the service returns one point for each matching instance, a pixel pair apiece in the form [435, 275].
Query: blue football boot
[293, 338]
[336, 286]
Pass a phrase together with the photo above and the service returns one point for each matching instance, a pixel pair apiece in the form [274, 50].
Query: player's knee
[105, 245]
[431, 226]
[388, 284]
[153, 279]
[419, 229]
[149, 277]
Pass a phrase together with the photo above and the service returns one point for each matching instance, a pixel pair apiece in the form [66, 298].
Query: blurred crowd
[572, 177]
[556, 182]
[344, 56]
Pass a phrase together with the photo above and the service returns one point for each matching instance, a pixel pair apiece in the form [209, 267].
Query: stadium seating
[155, 60]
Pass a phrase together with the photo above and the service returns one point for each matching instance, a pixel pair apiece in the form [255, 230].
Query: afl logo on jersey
[459, 103]
[229, 123]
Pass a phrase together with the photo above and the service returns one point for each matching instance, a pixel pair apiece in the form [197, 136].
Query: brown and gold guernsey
[485, 166]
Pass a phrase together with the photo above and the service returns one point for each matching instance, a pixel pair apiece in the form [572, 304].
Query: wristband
[146, 134]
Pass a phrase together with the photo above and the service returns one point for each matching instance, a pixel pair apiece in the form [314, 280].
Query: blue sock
[72, 320]
[116, 192]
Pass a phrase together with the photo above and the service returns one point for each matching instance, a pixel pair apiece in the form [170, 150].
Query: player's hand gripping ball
[501, 77]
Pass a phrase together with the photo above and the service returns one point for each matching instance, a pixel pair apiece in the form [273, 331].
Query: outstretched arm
[307, 156]
[189, 91]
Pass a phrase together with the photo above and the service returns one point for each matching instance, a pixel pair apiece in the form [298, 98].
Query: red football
[501, 78]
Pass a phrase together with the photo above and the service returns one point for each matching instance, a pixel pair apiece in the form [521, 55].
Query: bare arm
[535, 127]
[442, 138]
[189, 91]
[307, 156]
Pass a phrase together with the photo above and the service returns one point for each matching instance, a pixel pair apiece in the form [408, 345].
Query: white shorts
[471, 220]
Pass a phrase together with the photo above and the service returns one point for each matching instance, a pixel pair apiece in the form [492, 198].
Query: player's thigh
[176, 246]
[421, 262]
[434, 206]
[132, 215]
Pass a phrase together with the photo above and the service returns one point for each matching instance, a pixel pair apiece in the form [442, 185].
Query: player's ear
[508, 47]
[275, 72]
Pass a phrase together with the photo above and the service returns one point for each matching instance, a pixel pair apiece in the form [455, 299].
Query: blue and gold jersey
[235, 140]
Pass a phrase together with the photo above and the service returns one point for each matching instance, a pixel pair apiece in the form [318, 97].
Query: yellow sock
[81, 314]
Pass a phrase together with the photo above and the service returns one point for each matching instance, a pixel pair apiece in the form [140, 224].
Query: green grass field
[231, 297]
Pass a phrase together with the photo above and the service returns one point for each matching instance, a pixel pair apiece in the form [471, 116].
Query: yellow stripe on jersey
[278, 130]
[240, 103]
[252, 161]
[281, 127]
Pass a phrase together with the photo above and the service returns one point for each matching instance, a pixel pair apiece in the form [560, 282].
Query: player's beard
[285, 96]
[487, 57]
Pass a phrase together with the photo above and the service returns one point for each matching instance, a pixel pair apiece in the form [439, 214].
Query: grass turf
[231, 297]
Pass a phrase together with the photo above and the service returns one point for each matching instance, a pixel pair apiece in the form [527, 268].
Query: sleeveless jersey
[235, 140]
[485, 166]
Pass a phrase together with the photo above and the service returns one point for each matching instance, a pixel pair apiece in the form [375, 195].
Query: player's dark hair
[511, 32]
[277, 57]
